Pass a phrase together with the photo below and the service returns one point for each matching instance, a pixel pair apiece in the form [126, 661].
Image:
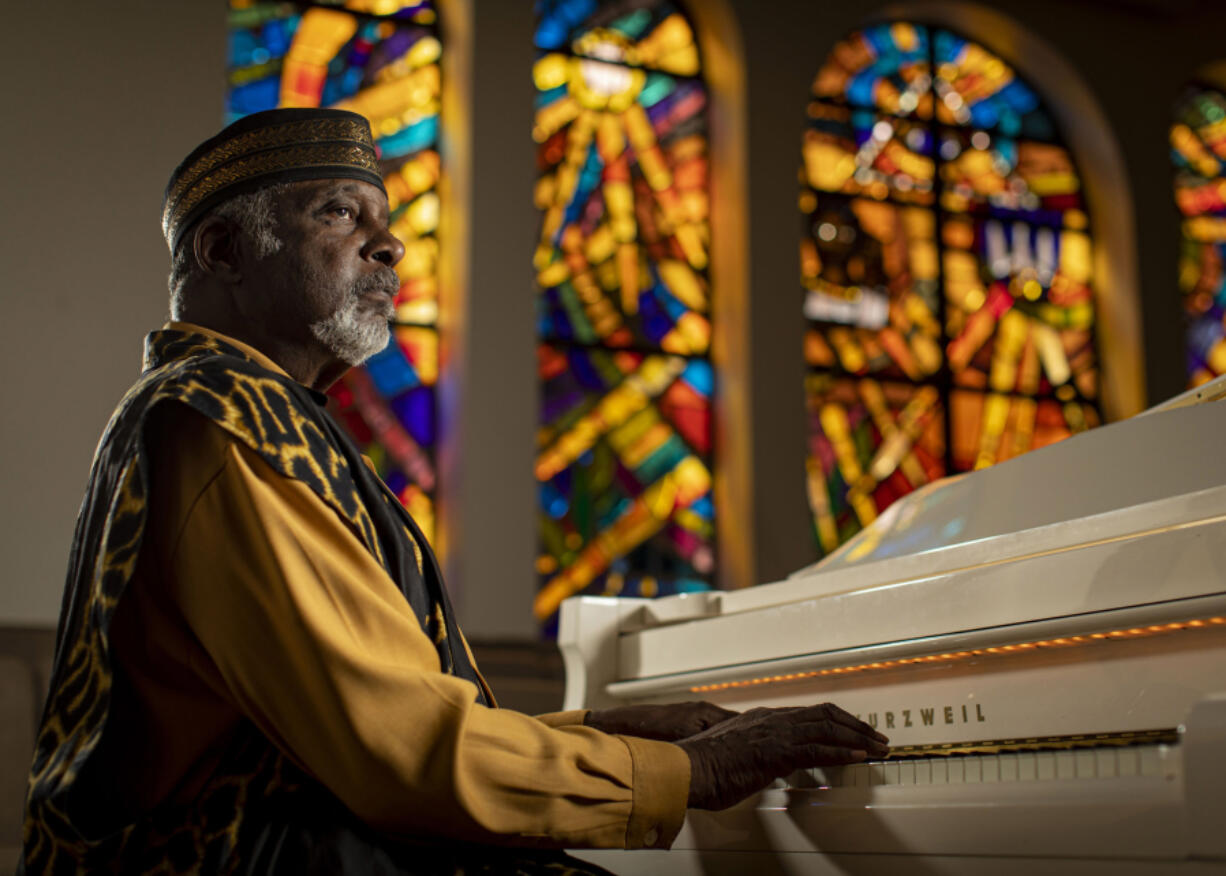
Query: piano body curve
[1044, 641]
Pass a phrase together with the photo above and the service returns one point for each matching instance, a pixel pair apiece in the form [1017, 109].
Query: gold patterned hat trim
[264, 149]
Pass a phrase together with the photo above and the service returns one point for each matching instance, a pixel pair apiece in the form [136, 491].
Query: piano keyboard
[1140, 755]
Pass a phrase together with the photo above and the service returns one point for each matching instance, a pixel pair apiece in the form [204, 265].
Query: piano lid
[1148, 473]
[1169, 450]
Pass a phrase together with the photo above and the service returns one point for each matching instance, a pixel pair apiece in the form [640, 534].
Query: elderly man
[257, 667]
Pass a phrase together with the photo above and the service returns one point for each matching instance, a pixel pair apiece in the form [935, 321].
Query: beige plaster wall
[101, 100]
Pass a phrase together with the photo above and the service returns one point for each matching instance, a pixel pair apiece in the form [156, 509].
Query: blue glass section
[611, 513]
[947, 46]
[584, 372]
[699, 374]
[589, 178]
[1018, 96]
[1010, 124]
[1007, 149]
[395, 480]
[544, 98]
[860, 90]
[634, 24]
[391, 372]
[655, 89]
[558, 18]
[345, 85]
[252, 97]
[411, 139]
[984, 115]
[704, 507]
[278, 34]
[656, 323]
[553, 501]
[663, 109]
[662, 460]
[562, 481]
[882, 41]
[692, 585]
[394, 48]
[561, 320]
[668, 301]
[1203, 334]
[243, 46]
[415, 410]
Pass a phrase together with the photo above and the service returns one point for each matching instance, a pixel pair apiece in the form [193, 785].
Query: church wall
[102, 101]
[116, 94]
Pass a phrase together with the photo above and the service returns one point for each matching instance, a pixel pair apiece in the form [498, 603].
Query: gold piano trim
[1166, 736]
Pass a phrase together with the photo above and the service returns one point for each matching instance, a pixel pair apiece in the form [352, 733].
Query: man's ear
[216, 248]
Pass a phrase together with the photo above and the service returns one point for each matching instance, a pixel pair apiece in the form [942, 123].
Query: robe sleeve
[315, 645]
[572, 718]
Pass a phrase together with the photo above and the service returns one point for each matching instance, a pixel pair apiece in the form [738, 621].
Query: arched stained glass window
[379, 58]
[946, 263]
[1198, 148]
[625, 440]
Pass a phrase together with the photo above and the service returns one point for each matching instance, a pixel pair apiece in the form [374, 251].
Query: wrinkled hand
[746, 753]
[668, 722]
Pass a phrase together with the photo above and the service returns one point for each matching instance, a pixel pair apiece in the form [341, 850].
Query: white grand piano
[1044, 642]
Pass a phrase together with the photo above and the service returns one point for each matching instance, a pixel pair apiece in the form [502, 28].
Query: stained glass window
[946, 263]
[625, 441]
[379, 58]
[1198, 148]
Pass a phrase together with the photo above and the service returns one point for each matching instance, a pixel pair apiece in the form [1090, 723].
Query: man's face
[331, 285]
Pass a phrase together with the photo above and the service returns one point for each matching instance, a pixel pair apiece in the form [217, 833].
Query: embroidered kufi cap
[264, 149]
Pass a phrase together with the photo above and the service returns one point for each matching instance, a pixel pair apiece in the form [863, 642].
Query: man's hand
[664, 722]
[745, 753]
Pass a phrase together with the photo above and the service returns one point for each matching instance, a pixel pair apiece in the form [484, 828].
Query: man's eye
[343, 212]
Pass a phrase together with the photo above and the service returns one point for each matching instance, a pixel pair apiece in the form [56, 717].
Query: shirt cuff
[661, 792]
[573, 718]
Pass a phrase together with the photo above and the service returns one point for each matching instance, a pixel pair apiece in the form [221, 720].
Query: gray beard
[351, 335]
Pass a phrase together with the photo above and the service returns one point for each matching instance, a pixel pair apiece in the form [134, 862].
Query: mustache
[384, 279]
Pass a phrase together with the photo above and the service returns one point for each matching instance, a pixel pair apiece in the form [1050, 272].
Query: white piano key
[1066, 765]
[989, 766]
[1045, 765]
[972, 770]
[1085, 764]
[1027, 766]
[940, 771]
[957, 771]
[1149, 761]
[923, 772]
[906, 773]
[889, 774]
[1108, 766]
[1008, 767]
[1169, 758]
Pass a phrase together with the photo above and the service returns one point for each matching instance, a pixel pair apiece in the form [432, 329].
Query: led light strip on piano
[995, 651]
[1191, 616]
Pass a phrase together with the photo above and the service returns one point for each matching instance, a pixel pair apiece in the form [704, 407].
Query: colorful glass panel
[379, 58]
[1198, 149]
[624, 318]
[946, 264]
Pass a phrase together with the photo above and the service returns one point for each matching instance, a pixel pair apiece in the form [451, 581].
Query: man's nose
[385, 248]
